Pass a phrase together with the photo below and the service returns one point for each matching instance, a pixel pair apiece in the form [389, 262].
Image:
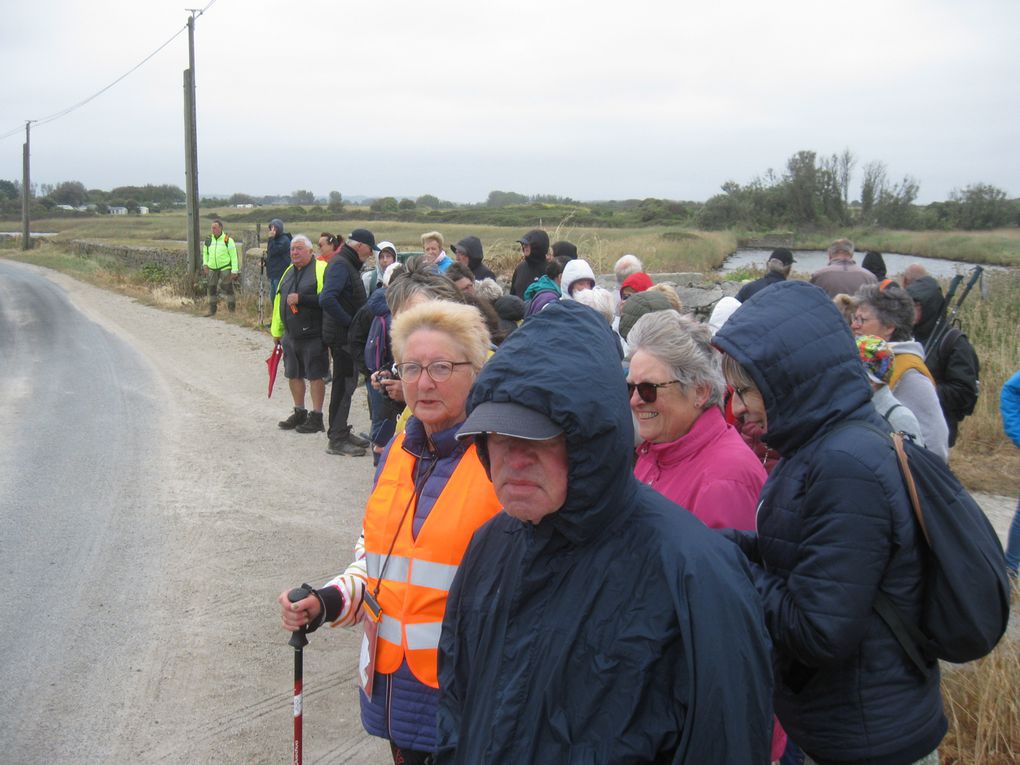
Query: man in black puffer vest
[343, 294]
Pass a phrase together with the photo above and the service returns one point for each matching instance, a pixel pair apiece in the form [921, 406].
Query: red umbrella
[273, 363]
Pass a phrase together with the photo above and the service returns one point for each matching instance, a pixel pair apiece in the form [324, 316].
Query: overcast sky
[592, 100]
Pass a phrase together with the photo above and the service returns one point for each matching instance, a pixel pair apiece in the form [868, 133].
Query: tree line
[812, 192]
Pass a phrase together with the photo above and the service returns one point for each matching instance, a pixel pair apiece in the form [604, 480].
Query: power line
[68, 110]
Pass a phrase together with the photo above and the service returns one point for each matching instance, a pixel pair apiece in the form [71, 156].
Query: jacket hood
[509, 307]
[538, 240]
[927, 292]
[798, 349]
[472, 245]
[542, 284]
[278, 225]
[564, 363]
[572, 272]
[377, 303]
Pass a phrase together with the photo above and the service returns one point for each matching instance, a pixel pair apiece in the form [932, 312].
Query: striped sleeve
[351, 586]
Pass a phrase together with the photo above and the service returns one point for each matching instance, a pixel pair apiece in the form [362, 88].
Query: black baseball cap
[508, 419]
[363, 236]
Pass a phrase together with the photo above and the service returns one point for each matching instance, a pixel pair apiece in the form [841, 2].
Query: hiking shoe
[361, 441]
[345, 448]
[312, 424]
[297, 418]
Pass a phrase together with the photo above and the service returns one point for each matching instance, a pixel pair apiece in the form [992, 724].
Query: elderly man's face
[217, 229]
[300, 253]
[530, 477]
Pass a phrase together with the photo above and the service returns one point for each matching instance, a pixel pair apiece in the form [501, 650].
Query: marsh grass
[982, 703]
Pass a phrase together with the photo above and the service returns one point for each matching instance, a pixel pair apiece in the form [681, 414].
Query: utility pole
[191, 154]
[26, 191]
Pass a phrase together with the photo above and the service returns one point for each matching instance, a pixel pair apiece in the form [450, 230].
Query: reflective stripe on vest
[415, 580]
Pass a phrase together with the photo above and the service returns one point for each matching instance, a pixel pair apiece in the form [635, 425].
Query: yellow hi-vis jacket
[415, 579]
[220, 253]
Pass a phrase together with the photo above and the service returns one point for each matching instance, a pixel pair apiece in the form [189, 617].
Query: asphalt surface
[78, 543]
[150, 513]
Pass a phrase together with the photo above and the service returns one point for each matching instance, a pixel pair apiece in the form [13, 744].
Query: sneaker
[312, 424]
[345, 448]
[297, 418]
[361, 441]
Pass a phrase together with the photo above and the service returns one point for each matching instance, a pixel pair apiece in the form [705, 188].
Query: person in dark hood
[277, 254]
[834, 528]
[534, 247]
[952, 361]
[511, 312]
[566, 249]
[874, 262]
[468, 251]
[592, 620]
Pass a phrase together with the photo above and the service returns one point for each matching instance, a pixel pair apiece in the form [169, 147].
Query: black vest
[352, 294]
[307, 322]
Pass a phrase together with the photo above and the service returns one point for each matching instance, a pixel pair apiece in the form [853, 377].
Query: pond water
[807, 261]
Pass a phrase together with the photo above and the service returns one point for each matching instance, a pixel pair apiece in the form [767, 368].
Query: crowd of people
[602, 530]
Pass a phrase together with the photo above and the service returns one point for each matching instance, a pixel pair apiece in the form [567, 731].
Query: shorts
[306, 359]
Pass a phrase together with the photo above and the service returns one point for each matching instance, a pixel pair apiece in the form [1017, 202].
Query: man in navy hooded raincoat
[593, 621]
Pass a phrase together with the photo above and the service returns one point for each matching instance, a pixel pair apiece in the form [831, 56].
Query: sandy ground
[246, 510]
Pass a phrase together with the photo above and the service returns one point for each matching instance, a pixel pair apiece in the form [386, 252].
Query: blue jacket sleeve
[1009, 405]
[337, 279]
[821, 610]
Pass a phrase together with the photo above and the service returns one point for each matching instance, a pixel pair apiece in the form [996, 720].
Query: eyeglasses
[439, 371]
[741, 392]
[647, 391]
[860, 318]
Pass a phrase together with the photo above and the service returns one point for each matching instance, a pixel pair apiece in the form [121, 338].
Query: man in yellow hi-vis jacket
[219, 254]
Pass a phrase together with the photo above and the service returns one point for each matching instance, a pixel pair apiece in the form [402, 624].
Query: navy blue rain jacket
[834, 526]
[618, 629]
[277, 255]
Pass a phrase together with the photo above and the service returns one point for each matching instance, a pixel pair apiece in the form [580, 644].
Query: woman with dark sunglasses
[688, 452]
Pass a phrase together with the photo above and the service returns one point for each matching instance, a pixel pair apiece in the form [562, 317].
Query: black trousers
[410, 756]
[345, 382]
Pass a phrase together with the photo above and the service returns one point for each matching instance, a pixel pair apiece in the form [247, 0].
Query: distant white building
[118, 210]
[143, 210]
[67, 207]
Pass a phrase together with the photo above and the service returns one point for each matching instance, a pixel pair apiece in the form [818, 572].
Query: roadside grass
[983, 707]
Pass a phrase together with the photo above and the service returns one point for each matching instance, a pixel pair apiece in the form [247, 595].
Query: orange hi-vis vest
[904, 361]
[418, 572]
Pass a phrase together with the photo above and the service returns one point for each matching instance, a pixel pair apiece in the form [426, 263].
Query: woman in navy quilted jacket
[834, 527]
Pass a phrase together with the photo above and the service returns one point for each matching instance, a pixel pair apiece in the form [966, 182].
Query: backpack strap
[907, 635]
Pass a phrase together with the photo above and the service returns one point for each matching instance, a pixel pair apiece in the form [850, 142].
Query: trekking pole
[946, 321]
[298, 640]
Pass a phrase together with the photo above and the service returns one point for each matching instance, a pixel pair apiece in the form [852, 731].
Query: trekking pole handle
[299, 639]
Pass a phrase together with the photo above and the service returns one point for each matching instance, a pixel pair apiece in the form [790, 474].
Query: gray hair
[627, 265]
[302, 238]
[841, 245]
[419, 278]
[893, 307]
[685, 346]
[599, 299]
[488, 289]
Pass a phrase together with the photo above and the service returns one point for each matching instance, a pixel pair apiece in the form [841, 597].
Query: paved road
[77, 547]
[151, 511]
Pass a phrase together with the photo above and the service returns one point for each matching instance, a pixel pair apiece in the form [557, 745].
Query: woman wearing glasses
[431, 493]
[688, 453]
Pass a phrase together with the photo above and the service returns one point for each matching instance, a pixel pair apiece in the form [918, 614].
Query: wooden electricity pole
[26, 192]
[191, 157]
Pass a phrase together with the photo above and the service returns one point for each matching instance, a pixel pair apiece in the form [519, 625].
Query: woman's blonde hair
[463, 324]
[433, 236]
[735, 374]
